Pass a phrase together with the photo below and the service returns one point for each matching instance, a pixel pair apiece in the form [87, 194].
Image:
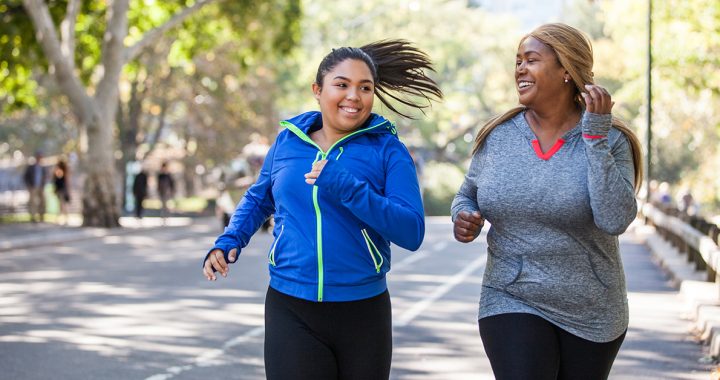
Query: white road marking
[440, 291]
[211, 357]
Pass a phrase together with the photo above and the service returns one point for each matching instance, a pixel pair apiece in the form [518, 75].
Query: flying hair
[398, 69]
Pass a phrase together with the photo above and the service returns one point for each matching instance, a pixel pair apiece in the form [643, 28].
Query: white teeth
[350, 110]
[525, 84]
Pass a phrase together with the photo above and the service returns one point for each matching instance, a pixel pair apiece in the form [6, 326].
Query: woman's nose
[352, 93]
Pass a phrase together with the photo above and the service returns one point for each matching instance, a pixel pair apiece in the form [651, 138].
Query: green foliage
[217, 83]
[686, 86]
[472, 51]
[440, 182]
[22, 60]
[16, 33]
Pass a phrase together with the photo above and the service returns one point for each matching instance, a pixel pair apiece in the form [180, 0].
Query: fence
[691, 235]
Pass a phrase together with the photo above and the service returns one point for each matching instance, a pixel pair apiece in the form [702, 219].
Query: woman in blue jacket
[341, 187]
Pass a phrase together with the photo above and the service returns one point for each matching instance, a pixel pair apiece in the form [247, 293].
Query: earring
[566, 80]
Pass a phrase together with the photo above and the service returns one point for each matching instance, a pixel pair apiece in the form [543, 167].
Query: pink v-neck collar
[523, 125]
[546, 156]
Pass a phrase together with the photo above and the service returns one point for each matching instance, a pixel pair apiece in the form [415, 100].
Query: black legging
[525, 346]
[327, 340]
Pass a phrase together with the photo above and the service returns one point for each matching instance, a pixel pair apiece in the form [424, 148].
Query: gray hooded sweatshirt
[555, 219]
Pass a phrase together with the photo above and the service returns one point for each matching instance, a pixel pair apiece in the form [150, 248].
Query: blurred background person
[140, 188]
[35, 178]
[166, 188]
[61, 184]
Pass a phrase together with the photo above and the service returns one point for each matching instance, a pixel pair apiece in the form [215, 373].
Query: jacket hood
[309, 119]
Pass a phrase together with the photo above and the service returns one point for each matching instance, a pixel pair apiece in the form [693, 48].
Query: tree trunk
[101, 207]
[100, 203]
[97, 113]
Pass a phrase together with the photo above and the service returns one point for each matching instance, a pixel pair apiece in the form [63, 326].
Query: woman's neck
[554, 122]
[549, 125]
[326, 137]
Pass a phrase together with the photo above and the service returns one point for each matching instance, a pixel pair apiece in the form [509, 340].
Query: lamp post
[648, 135]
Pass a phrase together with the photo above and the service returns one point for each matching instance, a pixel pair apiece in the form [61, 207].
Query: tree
[96, 111]
[92, 88]
[196, 93]
[686, 86]
[473, 53]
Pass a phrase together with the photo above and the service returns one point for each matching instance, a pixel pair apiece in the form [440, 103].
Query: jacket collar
[306, 121]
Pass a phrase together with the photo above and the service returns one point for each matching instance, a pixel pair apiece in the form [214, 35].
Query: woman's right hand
[467, 226]
[215, 261]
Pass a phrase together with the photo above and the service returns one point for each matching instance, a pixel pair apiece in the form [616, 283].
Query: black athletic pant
[327, 340]
[525, 346]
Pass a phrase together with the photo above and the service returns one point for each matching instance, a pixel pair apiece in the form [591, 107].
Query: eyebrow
[348, 79]
[528, 52]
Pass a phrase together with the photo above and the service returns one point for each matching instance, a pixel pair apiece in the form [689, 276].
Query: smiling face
[346, 96]
[538, 74]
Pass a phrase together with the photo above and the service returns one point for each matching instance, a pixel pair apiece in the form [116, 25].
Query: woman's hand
[317, 167]
[215, 261]
[467, 226]
[597, 99]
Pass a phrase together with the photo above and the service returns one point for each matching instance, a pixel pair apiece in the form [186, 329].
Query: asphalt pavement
[131, 303]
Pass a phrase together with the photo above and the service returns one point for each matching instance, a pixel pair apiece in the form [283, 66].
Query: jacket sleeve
[255, 207]
[466, 197]
[610, 175]
[398, 214]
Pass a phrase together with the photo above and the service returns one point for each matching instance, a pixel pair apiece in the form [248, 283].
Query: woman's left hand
[597, 99]
[317, 167]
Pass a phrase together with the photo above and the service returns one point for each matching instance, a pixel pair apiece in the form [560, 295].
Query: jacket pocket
[271, 255]
[375, 255]
[560, 284]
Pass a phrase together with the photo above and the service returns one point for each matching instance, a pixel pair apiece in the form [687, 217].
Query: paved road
[134, 305]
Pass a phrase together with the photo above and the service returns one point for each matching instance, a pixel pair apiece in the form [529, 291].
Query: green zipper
[272, 251]
[318, 215]
[373, 251]
[318, 220]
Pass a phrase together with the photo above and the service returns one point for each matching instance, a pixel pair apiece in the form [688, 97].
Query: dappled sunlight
[135, 240]
[106, 289]
[22, 339]
[664, 311]
[230, 314]
[110, 346]
[33, 275]
[422, 278]
[451, 349]
[130, 222]
[37, 287]
[220, 292]
[118, 328]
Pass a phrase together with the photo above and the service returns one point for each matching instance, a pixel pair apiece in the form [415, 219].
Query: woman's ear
[567, 77]
[316, 89]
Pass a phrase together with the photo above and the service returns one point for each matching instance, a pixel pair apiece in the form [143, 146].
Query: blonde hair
[574, 52]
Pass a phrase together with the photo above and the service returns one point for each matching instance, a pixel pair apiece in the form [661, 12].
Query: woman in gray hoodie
[556, 178]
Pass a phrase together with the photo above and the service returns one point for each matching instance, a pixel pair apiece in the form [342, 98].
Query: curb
[702, 298]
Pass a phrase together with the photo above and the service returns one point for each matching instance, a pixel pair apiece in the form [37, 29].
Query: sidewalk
[659, 343]
[701, 297]
[28, 235]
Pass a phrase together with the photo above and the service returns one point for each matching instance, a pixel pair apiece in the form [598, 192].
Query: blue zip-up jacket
[332, 239]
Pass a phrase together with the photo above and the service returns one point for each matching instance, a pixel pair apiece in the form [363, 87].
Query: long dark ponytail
[396, 67]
